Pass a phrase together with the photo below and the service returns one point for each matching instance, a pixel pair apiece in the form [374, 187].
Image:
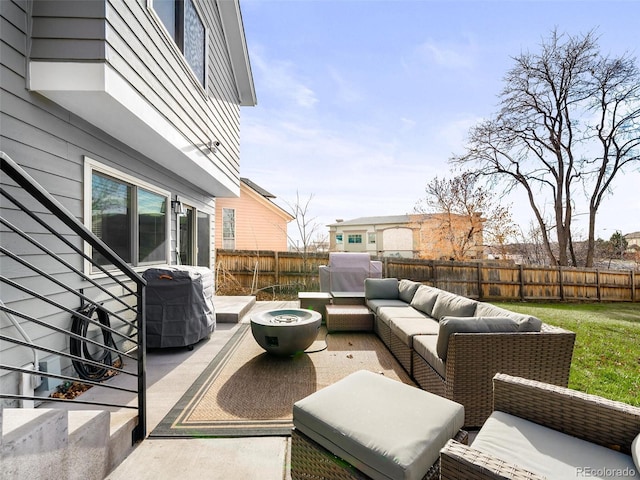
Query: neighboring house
[128, 112]
[633, 240]
[251, 222]
[407, 236]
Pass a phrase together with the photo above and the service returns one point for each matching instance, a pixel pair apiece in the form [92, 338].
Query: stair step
[46, 443]
[87, 456]
[33, 442]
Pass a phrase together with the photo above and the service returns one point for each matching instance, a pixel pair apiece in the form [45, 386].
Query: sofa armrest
[589, 417]
[474, 358]
[460, 462]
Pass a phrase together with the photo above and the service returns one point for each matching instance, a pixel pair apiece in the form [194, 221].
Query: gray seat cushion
[451, 305]
[406, 328]
[385, 313]
[375, 304]
[426, 347]
[384, 428]
[548, 452]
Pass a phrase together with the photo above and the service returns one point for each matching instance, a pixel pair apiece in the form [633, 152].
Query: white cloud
[281, 79]
[448, 55]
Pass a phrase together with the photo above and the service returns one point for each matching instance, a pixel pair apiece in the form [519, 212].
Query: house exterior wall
[391, 239]
[260, 225]
[406, 236]
[56, 145]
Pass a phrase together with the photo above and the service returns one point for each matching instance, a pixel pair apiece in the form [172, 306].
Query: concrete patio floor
[170, 372]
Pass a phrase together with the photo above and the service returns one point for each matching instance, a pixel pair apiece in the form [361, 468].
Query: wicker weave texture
[589, 417]
[459, 462]
[349, 318]
[383, 331]
[310, 460]
[401, 351]
[427, 377]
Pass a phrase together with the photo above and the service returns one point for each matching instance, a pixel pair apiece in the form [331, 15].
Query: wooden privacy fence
[479, 280]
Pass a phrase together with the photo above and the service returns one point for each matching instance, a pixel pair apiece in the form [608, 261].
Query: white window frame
[353, 236]
[197, 208]
[204, 87]
[91, 166]
[235, 224]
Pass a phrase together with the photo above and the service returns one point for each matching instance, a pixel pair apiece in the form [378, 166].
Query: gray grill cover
[179, 304]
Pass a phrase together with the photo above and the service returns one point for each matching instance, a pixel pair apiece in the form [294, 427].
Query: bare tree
[569, 118]
[308, 229]
[467, 215]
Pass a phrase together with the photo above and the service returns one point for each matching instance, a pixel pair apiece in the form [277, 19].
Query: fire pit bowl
[285, 331]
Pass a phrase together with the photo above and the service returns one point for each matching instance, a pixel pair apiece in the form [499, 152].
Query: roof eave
[238, 52]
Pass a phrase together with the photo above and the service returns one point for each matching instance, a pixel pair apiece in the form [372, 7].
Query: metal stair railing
[92, 322]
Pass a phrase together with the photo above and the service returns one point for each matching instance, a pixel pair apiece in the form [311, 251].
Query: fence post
[598, 290]
[434, 273]
[276, 266]
[633, 286]
[479, 281]
[561, 282]
[521, 274]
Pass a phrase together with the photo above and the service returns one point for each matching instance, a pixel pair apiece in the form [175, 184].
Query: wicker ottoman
[349, 318]
[370, 426]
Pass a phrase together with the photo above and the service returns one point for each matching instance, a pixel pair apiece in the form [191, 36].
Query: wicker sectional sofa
[453, 346]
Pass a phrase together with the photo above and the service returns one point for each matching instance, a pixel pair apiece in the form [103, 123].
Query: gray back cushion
[451, 325]
[451, 305]
[527, 323]
[425, 298]
[407, 290]
[381, 288]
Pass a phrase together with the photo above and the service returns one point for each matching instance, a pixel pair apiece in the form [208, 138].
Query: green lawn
[606, 357]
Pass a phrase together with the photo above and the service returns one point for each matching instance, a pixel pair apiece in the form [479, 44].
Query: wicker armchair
[588, 417]
[474, 359]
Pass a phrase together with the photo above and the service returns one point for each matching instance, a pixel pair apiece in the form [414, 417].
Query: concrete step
[232, 309]
[53, 443]
[33, 442]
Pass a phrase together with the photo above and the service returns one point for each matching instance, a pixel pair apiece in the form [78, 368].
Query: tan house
[252, 221]
[433, 236]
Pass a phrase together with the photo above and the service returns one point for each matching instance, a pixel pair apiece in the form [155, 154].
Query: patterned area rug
[246, 392]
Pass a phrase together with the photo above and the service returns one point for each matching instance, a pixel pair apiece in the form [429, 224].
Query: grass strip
[606, 357]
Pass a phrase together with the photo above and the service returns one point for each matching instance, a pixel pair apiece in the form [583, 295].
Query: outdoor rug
[246, 392]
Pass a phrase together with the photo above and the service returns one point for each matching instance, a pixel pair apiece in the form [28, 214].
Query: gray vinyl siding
[126, 36]
[50, 143]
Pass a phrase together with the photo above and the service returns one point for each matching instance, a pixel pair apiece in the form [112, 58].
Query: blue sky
[361, 103]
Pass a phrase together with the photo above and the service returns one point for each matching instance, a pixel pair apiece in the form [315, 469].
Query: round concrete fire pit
[286, 331]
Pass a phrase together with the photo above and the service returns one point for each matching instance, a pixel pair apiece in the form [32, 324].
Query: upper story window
[371, 237]
[354, 238]
[130, 217]
[185, 26]
[338, 238]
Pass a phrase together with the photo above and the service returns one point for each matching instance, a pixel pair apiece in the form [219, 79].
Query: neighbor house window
[354, 238]
[186, 28]
[228, 228]
[371, 237]
[130, 218]
[338, 238]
